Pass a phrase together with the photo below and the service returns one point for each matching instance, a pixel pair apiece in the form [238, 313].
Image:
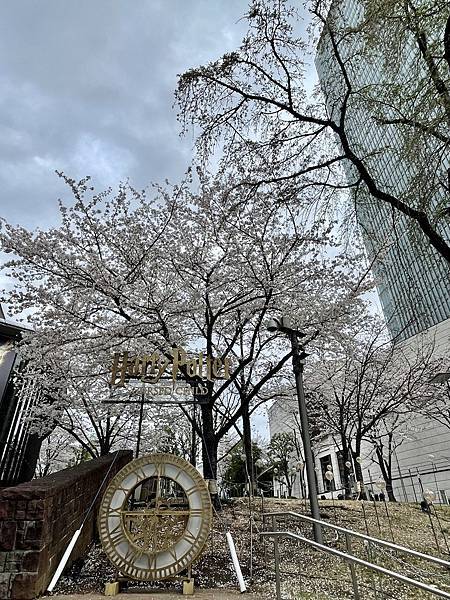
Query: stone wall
[38, 519]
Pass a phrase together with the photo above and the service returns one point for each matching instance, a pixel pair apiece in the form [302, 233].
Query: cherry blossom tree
[198, 270]
[386, 438]
[281, 452]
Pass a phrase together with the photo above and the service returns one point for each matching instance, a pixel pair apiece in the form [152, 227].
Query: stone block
[31, 560]
[30, 535]
[188, 587]
[21, 510]
[8, 531]
[112, 589]
[13, 562]
[34, 531]
[35, 510]
[7, 508]
[5, 585]
[23, 586]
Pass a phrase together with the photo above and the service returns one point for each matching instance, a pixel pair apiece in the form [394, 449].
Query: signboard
[166, 374]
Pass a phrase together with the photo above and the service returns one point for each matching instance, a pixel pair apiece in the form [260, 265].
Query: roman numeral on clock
[116, 535]
[189, 536]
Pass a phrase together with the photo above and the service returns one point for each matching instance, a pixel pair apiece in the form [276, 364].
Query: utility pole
[298, 355]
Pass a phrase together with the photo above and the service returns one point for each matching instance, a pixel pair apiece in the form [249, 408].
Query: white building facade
[283, 418]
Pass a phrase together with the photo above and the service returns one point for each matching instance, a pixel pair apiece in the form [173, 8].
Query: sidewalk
[159, 595]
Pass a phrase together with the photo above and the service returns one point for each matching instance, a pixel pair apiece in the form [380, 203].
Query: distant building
[19, 448]
[413, 280]
[283, 417]
[422, 461]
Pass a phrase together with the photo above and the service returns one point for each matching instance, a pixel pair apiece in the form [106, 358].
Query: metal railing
[350, 558]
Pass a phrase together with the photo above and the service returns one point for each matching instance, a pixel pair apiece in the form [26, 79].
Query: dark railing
[347, 556]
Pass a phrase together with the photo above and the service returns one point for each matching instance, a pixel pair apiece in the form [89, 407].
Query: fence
[349, 557]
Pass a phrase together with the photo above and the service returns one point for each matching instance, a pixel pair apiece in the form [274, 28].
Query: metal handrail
[352, 559]
[380, 542]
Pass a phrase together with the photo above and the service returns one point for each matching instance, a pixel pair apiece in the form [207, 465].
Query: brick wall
[38, 519]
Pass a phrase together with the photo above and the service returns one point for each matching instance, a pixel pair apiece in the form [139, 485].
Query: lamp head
[273, 325]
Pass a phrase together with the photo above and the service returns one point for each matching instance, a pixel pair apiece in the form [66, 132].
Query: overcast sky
[87, 87]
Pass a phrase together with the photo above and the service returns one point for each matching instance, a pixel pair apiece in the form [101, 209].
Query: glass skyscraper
[413, 280]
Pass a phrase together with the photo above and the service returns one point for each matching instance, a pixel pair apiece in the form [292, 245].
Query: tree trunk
[193, 448]
[390, 491]
[289, 487]
[386, 473]
[302, 482]
[209, 444]
[247, 442]
[358, 469]
[347, 470]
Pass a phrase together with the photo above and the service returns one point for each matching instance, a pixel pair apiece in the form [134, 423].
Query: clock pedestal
[188, 587]
[112, 589]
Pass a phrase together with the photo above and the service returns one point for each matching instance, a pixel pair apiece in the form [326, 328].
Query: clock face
[155, 517]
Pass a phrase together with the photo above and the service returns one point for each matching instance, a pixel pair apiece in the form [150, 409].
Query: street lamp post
[298, 355]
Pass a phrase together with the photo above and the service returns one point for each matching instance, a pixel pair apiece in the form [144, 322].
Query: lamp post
[298, 355]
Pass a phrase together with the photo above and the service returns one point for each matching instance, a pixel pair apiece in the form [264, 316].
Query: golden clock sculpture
[155, 517]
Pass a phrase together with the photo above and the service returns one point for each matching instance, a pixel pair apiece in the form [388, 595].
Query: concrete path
[159, 595]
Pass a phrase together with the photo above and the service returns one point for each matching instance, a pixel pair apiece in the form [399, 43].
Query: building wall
[19, 448]
[39, 518]
[425, 449]
[283, 418]
[413, 280]
[422, 460]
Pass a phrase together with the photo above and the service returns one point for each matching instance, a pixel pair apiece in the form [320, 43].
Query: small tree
[57, 452]
[281, 452]
[385, 439]
[236, 476]
[435, 403]
[370, 383]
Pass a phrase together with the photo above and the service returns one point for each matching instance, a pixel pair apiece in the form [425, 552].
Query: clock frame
[155, 517]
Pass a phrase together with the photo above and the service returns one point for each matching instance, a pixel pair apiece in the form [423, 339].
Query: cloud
[87, 88]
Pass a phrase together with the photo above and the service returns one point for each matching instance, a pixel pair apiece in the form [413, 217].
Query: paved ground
[159, 595]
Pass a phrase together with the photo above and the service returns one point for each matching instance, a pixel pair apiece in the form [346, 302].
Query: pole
[193, 460]
[405, 495]
[236, 565]
[374, 502]
[413, 486]
[309, 461]
[141, 416]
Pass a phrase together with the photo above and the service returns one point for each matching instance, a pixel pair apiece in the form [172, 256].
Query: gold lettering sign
[149, 368]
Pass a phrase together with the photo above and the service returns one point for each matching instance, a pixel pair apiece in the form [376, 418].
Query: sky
[87, 88]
